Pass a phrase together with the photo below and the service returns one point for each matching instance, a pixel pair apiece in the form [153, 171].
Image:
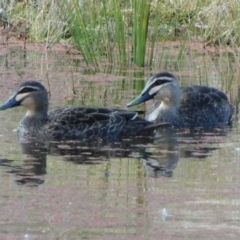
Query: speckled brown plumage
[71, 122]
[191, 106]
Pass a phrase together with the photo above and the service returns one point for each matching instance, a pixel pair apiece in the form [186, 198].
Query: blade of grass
[141, 13]
[120, 33]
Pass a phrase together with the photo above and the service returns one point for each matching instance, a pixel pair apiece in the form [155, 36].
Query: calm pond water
[178, 185]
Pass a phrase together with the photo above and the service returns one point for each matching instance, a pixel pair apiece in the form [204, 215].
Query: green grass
[141, 14]
[124, 32]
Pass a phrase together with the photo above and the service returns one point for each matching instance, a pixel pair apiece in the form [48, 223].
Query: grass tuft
[125, 32]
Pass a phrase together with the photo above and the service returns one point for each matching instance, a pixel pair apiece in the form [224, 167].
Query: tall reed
[125, 32]
[141, 13]
[109, 31]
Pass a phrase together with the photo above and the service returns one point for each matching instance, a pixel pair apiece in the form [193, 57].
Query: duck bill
[140, 99]
[11, 102]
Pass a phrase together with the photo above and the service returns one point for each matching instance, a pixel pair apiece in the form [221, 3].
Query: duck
[190, 106]
[71, 122]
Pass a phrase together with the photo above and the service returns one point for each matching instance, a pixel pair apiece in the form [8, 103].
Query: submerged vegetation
[124, 32]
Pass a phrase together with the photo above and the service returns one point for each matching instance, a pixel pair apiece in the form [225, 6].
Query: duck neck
[39, 111]
[32, 125]
[34, 113]
[34, 120]
[164, 112]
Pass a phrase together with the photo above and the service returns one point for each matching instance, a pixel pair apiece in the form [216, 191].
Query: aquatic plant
[125, 32]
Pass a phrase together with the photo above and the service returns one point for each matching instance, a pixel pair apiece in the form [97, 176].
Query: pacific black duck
[191, 106]
[71, 122]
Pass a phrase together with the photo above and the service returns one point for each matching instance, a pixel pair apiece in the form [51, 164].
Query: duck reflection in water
[159, 156]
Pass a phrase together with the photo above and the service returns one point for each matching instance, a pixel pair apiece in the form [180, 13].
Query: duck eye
[27, 90]
[159, 82]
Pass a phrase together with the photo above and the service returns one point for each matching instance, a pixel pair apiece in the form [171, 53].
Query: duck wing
[202, 105]
[80, 123]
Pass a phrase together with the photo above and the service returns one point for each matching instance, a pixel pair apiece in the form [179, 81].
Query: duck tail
[232, 111]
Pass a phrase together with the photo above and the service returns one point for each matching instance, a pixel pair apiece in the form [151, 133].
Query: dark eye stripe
[159, 82]
[27, 89]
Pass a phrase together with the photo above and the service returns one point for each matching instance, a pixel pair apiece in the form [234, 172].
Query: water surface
[178, 185]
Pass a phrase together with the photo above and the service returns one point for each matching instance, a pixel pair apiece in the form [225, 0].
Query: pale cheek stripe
[151, 81]
[154, 90]
[21, 96]
[165, 78]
